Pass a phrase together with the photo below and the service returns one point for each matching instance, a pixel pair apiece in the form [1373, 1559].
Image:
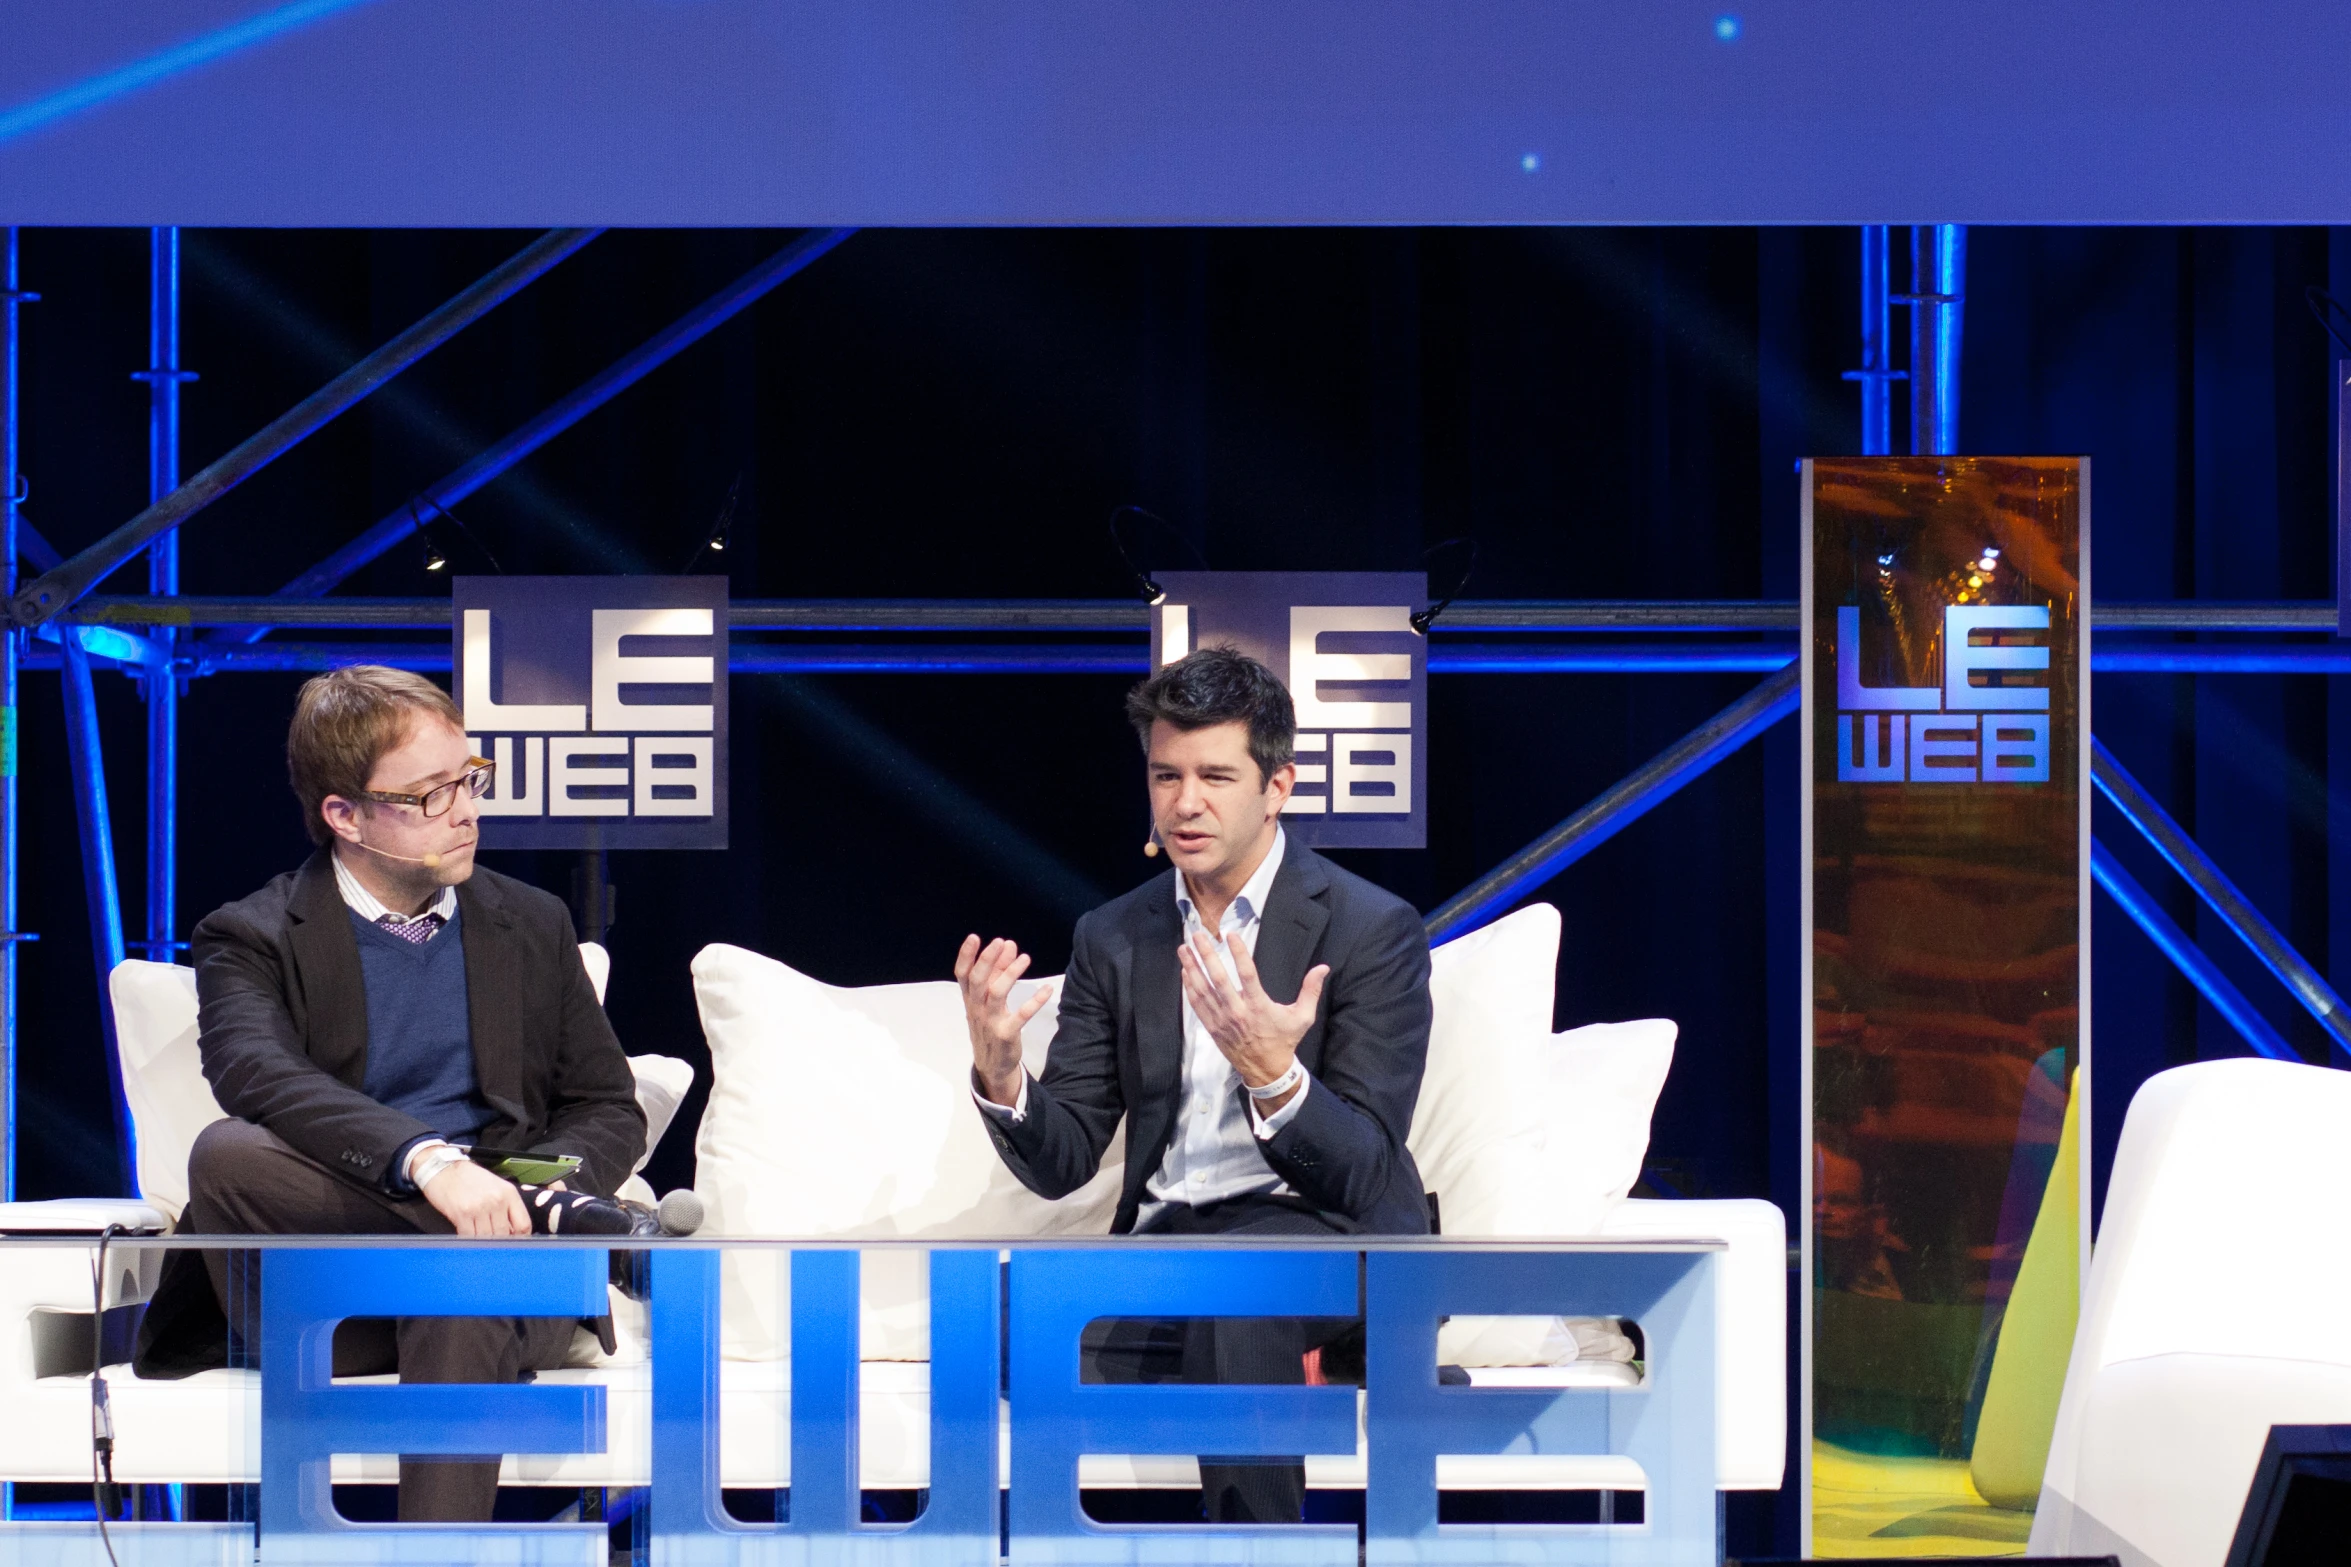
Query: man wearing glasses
[366, 1019]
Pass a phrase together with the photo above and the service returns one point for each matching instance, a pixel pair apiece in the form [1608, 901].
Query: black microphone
[584, 1213]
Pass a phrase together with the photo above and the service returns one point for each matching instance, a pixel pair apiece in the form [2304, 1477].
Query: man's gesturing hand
[477, 1203]
[1257, 1034]
[986, 975]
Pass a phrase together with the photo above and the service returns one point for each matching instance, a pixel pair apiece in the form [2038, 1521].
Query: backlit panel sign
[1343, 642]
[603, 700]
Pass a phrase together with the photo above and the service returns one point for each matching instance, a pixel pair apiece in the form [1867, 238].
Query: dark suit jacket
[1120, 1048]
[282, 1029]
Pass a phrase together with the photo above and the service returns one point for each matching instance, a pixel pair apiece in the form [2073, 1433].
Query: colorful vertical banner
[1946, 891]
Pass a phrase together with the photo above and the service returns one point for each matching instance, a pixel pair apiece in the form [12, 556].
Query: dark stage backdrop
[1610, 413]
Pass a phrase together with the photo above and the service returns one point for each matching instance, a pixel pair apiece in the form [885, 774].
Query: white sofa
[2216, 1308]
[840, 1111]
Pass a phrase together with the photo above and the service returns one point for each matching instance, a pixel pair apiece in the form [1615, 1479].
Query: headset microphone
[431, 862]
[1151, 844]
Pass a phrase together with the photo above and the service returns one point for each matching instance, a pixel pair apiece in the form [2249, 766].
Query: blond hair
[345, 722]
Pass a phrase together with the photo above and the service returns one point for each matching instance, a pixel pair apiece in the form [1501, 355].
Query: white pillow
[662, 1085]
[1599, 1085]
[1477, 1132]
[162, 1073]
[1602, 1084]
[837, 1111]
[1532, 1341]
[598, 963]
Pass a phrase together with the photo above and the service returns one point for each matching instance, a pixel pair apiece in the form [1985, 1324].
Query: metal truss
[164, 639]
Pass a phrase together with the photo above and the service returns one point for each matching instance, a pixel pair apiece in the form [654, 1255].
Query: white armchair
[2218, 1305]
[201, 1429]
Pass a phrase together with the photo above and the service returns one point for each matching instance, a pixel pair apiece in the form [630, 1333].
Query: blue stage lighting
[176, 60]
[1726, 28]
[1531, 161]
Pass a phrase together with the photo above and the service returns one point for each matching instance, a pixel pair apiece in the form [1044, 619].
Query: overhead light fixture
[715, 542]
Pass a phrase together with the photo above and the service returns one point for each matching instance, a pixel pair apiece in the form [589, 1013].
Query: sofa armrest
[81, 1216]
[1751, 1323]
[56, 1278]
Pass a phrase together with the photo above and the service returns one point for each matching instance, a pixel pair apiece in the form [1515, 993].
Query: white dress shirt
[1213, 1155]
[370, 908]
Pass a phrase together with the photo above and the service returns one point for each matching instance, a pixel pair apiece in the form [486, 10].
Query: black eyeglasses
[475, 781]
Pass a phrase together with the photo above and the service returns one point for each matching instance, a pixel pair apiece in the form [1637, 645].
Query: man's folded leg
[245, 1180]
[468, 1349]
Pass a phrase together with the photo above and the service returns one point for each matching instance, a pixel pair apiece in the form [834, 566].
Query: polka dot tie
[416, 932]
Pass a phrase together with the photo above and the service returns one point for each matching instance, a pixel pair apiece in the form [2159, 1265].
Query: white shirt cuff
[1267, 1125]
[1019, 1111]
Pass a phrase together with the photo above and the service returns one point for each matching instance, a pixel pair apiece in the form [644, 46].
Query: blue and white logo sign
[603, 700]
[1343, 642]
[1996, 732]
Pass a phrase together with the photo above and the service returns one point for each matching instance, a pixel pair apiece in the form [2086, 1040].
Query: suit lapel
[326, 964]
[1159, 1022]
[1290, 929]
[487, 928]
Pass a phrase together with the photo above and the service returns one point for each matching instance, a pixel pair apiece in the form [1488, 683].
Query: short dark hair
[1220, 685]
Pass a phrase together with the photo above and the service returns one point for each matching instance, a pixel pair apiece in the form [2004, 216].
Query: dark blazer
[1119, 1049]
[282, 1029]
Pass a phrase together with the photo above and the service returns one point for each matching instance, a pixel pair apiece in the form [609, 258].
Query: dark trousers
[1262, 1350]
[242, 1180]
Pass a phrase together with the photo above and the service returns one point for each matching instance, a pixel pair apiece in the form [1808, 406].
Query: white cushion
[162, 1075]
[1477, 1131]
[1601, 1083]
[662, 1085]
[837, 1111]
[170, 1102]
[598, 963]
[1598, 1085]
[1531, 1341]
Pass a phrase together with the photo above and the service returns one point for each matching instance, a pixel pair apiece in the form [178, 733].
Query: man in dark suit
[1246, 1114]
[364, 1021]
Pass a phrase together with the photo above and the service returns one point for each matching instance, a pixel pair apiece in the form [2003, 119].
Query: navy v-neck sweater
[419, 1035]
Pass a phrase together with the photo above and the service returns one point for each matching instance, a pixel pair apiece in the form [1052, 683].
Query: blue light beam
[177, 60]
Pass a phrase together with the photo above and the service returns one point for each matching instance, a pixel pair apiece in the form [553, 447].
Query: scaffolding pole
[1641, 792]
[57, 590]
[751, 655]
[12, 295]
[164, 378]
[1938, 283]
[2175, 944]
[87, 759]
[1469, 617]
[2221, 895]
[1876, 375]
